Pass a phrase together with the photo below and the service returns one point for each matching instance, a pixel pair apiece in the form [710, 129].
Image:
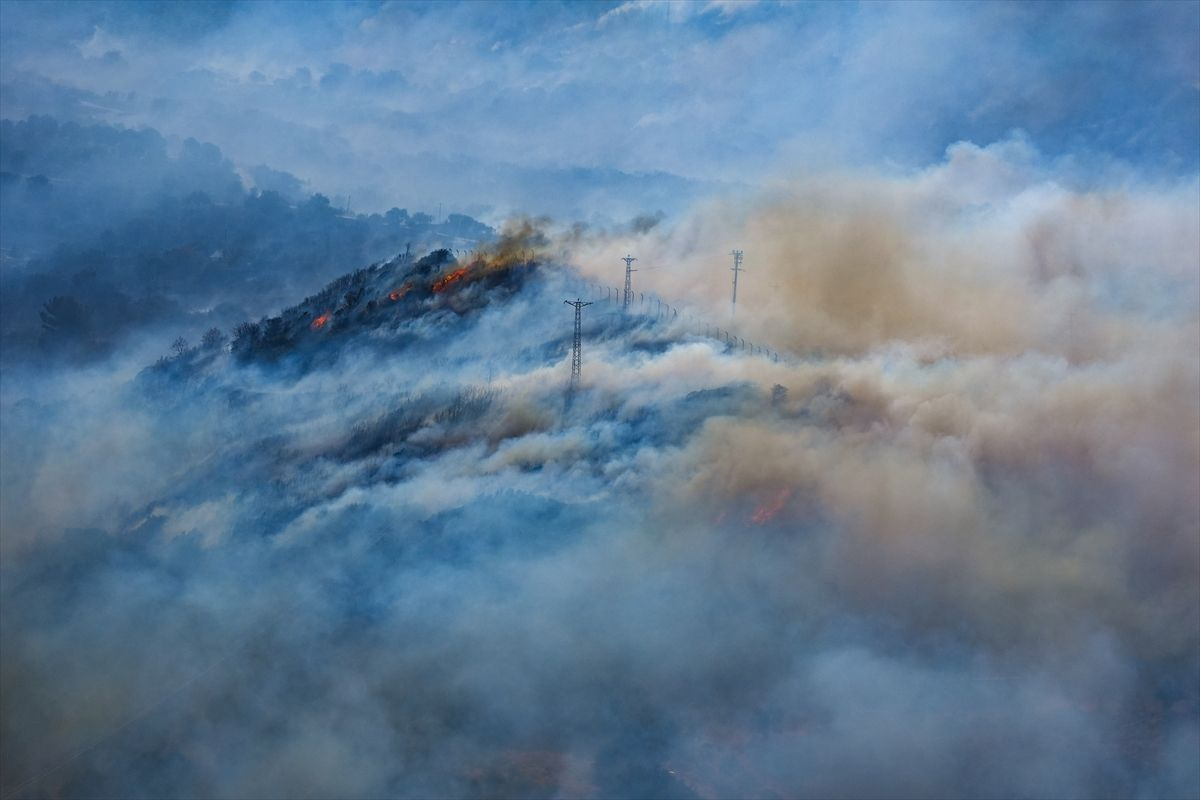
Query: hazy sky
[591, 109]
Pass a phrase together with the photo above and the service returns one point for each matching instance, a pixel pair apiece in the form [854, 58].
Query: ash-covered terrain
[370, 547]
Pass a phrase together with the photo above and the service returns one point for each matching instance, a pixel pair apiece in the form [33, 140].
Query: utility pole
[737, 267]
[576, 353]
[629, 270]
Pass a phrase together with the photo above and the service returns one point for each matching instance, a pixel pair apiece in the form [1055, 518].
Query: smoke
[993, 251]
[521, 238]
[644, 223]
[598, 113]
[953, 554]
[948, 545]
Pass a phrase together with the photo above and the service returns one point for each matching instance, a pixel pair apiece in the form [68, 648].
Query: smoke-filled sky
[364, 539]
[593, 110]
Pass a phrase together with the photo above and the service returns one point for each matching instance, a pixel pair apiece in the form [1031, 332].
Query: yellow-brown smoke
[945, 261]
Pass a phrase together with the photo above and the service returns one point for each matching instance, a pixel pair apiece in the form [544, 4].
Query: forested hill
[107, 232]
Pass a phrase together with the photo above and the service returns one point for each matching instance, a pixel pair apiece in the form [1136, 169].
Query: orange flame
[770, 509]
[448, 279]
[320, 321]
[396, 294]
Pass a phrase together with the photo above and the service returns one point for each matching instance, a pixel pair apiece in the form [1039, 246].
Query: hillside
[400, 437]
[106, 237]
[367, 548]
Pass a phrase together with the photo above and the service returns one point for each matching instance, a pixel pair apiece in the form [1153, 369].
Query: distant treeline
[105, 232]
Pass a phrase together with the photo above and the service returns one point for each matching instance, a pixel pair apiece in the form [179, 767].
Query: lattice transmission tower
[737, 268]
[629, 270]
[576, 348]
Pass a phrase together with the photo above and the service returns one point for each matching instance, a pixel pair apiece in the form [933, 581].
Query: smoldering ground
[939, 560]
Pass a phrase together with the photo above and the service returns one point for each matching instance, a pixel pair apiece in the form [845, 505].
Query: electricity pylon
[737, 267]
[629, 270]
[576, 352]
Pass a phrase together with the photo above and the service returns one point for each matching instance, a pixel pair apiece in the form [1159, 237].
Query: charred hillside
[381, 297]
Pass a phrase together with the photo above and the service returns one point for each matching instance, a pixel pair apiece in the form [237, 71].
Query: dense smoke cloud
[947, 544]
[946, 558]
[991, 251]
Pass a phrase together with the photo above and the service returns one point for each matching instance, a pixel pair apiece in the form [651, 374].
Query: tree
[275, 333]
[245, 338]
[246, 332]
[212, 339]
[179, 346]
[318, 204]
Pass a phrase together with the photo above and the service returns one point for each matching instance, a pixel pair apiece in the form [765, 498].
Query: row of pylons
[578, 304]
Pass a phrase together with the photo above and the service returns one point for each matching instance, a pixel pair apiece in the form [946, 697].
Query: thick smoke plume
[989, 252]
[948, 546]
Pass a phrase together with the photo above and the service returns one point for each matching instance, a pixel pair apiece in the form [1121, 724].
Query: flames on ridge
[519, 245]
[449, 279]
[515, 250]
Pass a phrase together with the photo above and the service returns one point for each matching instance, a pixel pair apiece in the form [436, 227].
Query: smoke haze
[941, 540]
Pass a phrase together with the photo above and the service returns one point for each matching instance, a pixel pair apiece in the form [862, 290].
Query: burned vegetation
[385, 296]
